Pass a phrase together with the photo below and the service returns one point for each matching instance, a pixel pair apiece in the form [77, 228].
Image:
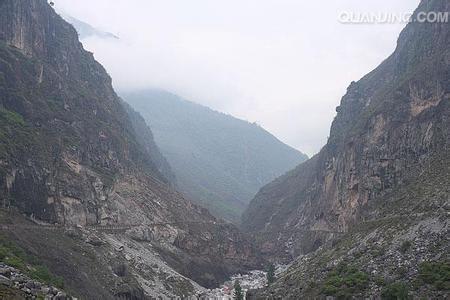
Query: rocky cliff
[220, 161]
[400, 250]
[70, 156]
[370, 211]
[391, 121]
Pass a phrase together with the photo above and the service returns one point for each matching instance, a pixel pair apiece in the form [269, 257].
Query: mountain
[86, 30]
[85, 194]
[144, 137]
[219, 161]
[368, 215]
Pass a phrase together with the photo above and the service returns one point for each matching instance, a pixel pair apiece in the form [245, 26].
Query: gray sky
[284, 64]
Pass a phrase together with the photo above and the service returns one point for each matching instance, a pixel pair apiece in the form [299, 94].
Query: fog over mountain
[219, 162]
[85, 30]
[283, 64]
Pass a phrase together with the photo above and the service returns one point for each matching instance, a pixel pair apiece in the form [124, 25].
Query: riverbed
[253, 280]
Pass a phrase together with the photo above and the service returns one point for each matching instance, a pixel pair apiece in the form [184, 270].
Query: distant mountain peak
[85, 30]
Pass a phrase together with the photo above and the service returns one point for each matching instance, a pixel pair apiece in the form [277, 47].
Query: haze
[283, 64]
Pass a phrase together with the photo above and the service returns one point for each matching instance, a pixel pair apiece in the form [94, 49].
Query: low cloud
[284, 64]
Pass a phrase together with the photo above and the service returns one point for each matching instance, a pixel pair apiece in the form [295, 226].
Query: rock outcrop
[70, 156]
[401, 250]
[16, 285]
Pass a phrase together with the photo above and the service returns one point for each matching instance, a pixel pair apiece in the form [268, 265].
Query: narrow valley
[114, 186]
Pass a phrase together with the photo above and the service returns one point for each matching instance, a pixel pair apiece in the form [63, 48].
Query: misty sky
[284, 64]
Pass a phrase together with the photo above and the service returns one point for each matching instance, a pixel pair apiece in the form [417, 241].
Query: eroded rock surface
[367, 217]
[70, 155]
[389, 125]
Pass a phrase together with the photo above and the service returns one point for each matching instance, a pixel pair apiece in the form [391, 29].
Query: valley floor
[253, 280]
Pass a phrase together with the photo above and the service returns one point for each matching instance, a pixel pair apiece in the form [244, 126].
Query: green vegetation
[14, 256]
[395, 291]
[41, 273]
[238, 293]
[379, 281]
[12, 117]
[376, 252]
[12, 293]
[402, 271]
[436, 274]
[345, 281]
[15, 262]
[404, 247]
[270, 274]
[40, 297]
[15, 135]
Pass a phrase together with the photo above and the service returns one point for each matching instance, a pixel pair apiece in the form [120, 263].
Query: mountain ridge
[86, 30]
[219, 161]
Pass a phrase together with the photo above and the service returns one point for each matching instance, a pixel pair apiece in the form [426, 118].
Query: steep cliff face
[389, 125]
[401, 249]
[63, 124]
[220, 161]
[69, 155]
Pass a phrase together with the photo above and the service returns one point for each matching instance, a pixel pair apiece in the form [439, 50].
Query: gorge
[104, 197]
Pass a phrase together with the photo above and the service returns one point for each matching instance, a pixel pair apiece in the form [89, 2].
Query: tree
[270, 274]
[395, 291]
[238, 293]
